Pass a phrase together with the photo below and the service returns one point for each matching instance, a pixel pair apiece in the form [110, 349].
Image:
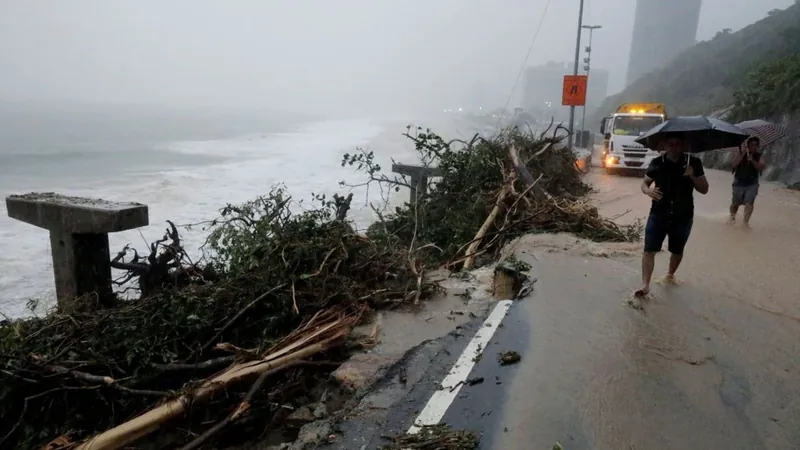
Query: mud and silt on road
[701, 364]
[709, 362]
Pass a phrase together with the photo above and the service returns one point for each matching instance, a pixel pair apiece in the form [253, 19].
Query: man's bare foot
[643, 292]
[670, 279]
[732, 220]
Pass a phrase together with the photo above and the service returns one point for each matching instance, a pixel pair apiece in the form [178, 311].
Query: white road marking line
[442, 399]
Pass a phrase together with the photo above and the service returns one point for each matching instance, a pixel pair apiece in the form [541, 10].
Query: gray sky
[314, 55]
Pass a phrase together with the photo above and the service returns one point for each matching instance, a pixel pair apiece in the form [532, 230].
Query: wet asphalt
[713, 362]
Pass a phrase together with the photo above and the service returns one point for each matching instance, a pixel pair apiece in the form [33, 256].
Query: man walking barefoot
[747, 166]
[670, 181]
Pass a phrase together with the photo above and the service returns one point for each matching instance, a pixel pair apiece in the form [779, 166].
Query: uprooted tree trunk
[316, 335]
[163, 267]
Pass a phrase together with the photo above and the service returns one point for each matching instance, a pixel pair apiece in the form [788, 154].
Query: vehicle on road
[631, 120]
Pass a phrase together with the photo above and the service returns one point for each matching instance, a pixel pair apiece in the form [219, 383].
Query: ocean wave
[308, 138]
[306, 160]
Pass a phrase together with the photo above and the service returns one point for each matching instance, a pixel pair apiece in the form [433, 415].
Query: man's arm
[647, 187]
[700, 184]
[653, 192]
[646, 182]
[697, 174]
[758, 163]
[738, 158]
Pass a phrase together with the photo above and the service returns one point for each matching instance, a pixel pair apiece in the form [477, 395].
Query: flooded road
[756, 265]
[713, 362]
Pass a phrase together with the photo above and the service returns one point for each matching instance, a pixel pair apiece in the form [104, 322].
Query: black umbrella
[703, 133]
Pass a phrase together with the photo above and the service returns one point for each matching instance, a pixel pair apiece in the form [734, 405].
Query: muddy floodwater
[757, 266]
[712, 362]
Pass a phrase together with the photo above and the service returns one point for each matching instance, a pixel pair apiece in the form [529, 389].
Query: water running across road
[712, 362]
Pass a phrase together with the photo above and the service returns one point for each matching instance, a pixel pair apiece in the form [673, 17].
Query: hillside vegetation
[770, 90]
[731, 67]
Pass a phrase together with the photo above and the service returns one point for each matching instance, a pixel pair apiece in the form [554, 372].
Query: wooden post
[79, 230]
[418, 176]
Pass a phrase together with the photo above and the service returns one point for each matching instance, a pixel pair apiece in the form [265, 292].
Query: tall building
[661, 31]
[543, 86]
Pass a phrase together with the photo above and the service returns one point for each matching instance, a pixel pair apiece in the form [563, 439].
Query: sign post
[574, 93]
[575, 72]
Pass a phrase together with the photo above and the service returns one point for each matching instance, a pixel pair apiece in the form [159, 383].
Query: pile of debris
[278, 291]
[489, 193]
[276, 296]
[435, 437]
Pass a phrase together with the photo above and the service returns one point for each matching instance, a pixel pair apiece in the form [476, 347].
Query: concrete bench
[419, 177]
[79, 230]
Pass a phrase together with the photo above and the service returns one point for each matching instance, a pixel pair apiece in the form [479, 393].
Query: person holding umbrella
[670, 181]
[747, 166]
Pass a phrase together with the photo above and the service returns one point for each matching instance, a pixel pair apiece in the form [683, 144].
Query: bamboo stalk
[470, 254]
[128, 432]
[521, 169]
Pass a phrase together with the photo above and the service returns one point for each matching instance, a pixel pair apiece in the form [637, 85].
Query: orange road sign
[574, 90]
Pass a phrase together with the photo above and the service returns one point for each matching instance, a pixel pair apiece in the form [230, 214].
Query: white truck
[631, 120]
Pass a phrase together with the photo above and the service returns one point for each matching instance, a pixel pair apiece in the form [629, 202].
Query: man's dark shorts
[660, 227]
[744, 194]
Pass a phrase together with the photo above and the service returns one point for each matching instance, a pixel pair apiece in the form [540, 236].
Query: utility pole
[588, 68]
[575, 72]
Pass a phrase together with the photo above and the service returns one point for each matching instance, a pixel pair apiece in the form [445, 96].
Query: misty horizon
[315, 57]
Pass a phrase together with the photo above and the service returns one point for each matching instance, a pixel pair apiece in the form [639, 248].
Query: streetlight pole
[575, 72]
[588, 68]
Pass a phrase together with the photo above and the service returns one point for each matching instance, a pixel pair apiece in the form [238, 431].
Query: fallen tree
[268, 271]
[489, 192]
[276, 292]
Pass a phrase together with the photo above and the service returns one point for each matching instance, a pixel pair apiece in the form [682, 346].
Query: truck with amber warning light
[620, 130]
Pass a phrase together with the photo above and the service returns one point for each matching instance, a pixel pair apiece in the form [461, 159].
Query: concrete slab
[73, 215]
[79, 230]
[419, 178]
[410, 170]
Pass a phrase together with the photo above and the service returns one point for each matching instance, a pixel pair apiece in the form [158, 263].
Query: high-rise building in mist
[543, 86]
[661, 31]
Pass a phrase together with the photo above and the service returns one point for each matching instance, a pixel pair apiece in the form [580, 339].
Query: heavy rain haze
[344, 57]
[187, 105]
